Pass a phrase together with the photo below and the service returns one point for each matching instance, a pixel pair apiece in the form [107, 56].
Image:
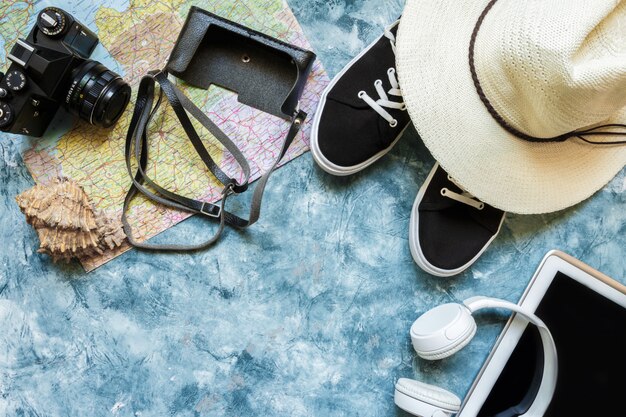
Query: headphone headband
[550, 360]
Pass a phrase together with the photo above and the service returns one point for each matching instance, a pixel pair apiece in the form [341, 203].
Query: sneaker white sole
[414, 244]
[318, 157]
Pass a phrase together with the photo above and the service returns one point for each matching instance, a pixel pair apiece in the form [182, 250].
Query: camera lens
[97, 94]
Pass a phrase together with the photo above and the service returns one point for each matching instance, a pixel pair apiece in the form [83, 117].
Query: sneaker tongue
[362, 73]
[489, 217]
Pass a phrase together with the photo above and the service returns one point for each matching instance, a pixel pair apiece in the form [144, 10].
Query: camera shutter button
[15, 80]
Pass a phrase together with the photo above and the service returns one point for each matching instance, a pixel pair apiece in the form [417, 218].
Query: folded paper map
[137, 36]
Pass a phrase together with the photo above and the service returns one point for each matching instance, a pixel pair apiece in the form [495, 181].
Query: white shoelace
[395, 90]
[465, 198]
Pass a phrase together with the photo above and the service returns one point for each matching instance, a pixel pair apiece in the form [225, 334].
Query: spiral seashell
[66, 223]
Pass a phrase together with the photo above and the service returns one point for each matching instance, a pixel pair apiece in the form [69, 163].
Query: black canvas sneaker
[449, 227]
[361, 114]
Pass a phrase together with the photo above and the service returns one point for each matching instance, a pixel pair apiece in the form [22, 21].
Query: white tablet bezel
[553, 262]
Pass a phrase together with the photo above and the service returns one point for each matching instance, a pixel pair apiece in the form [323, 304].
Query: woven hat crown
[547, 77]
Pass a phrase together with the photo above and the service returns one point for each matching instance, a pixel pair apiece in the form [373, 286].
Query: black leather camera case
[268, 74]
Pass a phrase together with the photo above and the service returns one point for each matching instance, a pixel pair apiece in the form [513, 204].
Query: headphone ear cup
[425, 400]
[442, 331]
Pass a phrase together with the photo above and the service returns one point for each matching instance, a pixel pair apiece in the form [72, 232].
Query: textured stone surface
[307, 313]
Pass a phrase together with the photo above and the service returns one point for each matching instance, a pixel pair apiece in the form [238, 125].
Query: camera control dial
[15, 80]
[6, 114]
[51, 21]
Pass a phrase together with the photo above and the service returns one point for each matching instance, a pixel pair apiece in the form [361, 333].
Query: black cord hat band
[594, 131]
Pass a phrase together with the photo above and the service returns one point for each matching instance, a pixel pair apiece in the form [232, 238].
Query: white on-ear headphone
[446, 329]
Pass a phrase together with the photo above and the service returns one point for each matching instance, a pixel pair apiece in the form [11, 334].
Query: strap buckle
[210, 214]
[227, 191]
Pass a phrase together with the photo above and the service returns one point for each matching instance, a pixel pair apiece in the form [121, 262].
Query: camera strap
[137, 146]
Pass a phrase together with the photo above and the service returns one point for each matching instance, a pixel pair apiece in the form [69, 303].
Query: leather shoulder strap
[137, 146]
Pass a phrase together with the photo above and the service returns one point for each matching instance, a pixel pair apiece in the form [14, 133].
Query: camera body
[51, 68]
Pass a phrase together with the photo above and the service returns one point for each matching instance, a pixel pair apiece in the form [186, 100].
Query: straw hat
[552, 74]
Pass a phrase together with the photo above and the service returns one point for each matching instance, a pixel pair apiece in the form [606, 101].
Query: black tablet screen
[589, 331]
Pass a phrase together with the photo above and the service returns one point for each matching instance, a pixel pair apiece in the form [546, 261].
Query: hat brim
[498, 168]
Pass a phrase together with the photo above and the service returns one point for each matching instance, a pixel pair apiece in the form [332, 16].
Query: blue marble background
[305, 314]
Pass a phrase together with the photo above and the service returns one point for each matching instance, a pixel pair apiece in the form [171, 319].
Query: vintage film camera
[51, 68]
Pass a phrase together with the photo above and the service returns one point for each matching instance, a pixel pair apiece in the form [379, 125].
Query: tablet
[586, 314]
